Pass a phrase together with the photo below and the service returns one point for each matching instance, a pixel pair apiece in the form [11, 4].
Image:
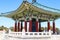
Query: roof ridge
[47, 6]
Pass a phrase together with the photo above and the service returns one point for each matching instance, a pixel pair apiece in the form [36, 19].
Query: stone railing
[30, 34]
[2, 34]
[27, 35]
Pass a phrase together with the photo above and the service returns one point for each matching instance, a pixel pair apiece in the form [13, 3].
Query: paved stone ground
[54, 37]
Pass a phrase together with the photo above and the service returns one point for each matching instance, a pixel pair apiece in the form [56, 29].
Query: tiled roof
[46, 8]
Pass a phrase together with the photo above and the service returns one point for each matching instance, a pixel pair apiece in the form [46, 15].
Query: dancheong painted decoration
[32, 14]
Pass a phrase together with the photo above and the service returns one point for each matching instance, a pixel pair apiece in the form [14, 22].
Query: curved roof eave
[19, 9]
[46, 8]
[9, 14]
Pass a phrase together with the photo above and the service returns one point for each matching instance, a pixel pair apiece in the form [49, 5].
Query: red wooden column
[15, 28]
[25, 26]
[53, 26]
[37, 25]
[30, 25]
[48, 25]
[19, 26]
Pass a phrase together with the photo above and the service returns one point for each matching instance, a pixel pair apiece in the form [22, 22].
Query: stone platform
[28, 36]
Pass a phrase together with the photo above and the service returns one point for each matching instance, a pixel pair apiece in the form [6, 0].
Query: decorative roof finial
[33, 1]
[24, 0]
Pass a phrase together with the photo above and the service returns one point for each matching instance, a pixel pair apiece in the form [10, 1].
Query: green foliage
[42, 28]
[11, 28]
[3, 28]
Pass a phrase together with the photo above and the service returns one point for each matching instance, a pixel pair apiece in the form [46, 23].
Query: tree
[11, 28]
[3, 28]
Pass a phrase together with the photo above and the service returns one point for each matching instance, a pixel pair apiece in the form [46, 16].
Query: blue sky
[10, 5]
